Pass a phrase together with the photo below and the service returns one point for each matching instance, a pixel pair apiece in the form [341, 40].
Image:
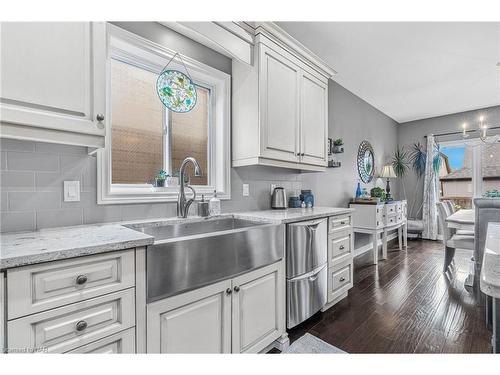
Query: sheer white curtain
[431, 189]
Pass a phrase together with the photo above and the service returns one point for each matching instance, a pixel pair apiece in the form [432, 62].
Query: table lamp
[388, 172]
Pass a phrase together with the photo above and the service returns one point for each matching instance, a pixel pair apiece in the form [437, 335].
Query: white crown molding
[281, 37]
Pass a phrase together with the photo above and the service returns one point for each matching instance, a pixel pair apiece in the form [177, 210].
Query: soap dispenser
[214, 205]
[203, 209]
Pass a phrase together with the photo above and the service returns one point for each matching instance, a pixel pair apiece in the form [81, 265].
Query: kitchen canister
[294, 202]
[307, 197]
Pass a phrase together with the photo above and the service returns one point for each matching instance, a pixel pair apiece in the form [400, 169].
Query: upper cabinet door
[313, 120]
[54, 75]
[279, 103]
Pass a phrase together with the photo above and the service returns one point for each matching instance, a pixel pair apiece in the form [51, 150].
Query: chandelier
[482, 128]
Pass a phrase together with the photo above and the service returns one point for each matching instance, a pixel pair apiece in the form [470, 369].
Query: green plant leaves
[400, 161]
[418, 157]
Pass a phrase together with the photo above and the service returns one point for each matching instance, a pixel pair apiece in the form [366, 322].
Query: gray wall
[415, 131]
[353, 120]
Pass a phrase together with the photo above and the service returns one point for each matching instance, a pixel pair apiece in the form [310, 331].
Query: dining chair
[486, 210]
[451, 239]
[451, 206]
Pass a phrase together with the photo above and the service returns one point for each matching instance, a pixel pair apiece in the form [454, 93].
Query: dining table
[463, 219]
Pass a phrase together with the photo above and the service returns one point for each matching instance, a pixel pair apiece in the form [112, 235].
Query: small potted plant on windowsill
[160, 178]
[337, 146]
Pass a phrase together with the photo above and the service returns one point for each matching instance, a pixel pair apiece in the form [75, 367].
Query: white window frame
[477, 164]
[153, 57]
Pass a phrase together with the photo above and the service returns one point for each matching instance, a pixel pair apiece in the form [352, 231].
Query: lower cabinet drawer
[338, 222]
[339, 280]
[40, 287]
[339, 248]
[69, 327]
[120, 343]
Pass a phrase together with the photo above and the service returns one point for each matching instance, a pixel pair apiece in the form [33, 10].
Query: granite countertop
[490, 270]
[45, 245]
[291, 215]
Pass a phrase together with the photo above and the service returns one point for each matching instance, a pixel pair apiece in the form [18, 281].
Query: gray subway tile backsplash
[32, 188]
[31, 161]
[17, 181]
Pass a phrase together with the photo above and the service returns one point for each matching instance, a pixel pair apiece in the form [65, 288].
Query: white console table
[381, 218]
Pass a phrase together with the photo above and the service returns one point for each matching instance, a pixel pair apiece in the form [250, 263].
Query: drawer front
[120, 343]
[339, 248]
[390, 220]
[336, 223]
[66, 328]
[339, 280]
[390, 209]
[38, 288]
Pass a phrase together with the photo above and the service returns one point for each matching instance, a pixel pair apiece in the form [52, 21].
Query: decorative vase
[160, 183]
[358, 191]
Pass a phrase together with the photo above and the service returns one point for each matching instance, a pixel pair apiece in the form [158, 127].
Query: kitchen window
[143, 137]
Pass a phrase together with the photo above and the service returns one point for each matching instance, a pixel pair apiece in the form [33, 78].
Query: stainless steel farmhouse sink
[192, 254]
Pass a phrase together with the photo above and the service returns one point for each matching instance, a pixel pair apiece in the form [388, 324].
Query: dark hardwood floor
[406, 304]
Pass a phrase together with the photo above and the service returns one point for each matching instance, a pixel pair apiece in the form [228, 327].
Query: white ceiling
[410, 71]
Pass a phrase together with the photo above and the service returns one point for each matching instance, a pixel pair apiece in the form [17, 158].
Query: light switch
[246, 190]
[71, 191]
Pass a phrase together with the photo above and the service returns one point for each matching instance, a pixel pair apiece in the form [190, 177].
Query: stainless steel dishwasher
[306, 269]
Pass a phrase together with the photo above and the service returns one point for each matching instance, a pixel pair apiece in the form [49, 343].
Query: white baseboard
[369, 246]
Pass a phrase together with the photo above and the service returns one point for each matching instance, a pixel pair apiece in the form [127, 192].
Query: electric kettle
[278, 199]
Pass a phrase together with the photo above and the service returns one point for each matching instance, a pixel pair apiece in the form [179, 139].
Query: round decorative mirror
[366, 162]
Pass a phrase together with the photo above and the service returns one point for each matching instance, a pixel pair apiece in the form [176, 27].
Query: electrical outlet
[71, 191]
[273, 186]
[246, 190]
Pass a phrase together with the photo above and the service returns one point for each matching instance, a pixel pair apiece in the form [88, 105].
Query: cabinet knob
[228, 291]
[342, 222]
[236, 289]
[81, 279]
[81, 325]
[341, 247]
[342, 279]
[100, 117]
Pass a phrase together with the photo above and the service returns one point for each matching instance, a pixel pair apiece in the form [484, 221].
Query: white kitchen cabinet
[280, 105]
[242, 315]
[54, 81]
[3, 319]
[194, 322]
[314, 120]
[258, 309]
[68, 327]
[120, 343]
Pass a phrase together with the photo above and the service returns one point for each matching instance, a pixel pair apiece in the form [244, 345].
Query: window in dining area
[472, 170]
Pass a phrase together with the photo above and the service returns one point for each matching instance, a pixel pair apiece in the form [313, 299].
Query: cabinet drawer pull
[342, 279]
[100, 117]
[81, 279]
[236, 289]
[342, 247]
[228, 291]
[81, 325]
[342, 223]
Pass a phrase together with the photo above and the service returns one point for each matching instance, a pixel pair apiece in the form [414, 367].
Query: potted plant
[378, 192]
[160, 178]
[337, 146]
